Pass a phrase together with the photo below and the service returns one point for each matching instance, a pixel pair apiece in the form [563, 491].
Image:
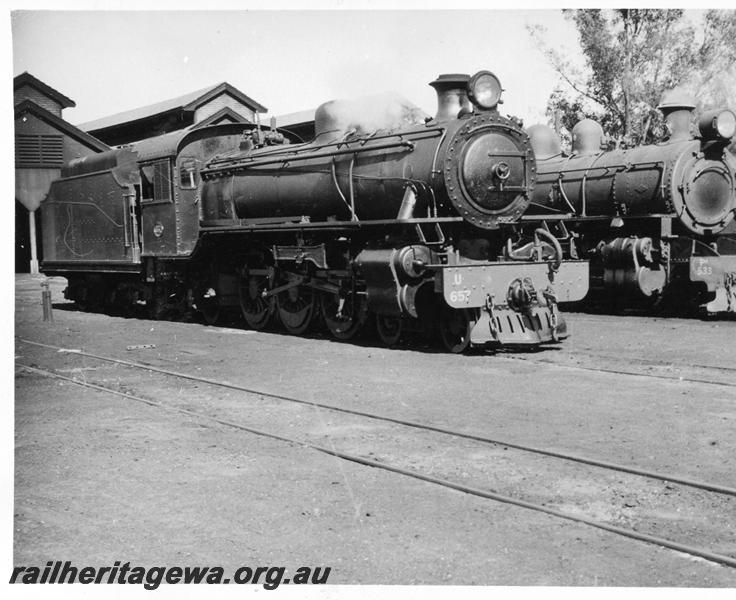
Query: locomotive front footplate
[513, 304]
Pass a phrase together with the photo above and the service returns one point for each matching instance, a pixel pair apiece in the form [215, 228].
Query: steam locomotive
[413, 224]
[656, 221]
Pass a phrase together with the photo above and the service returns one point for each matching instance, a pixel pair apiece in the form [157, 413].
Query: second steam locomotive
[656, 221]
[414, 224]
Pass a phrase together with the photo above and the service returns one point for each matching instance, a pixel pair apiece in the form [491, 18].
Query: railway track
[676, 372]
[670, 364]
[669, 477]
[455, 445]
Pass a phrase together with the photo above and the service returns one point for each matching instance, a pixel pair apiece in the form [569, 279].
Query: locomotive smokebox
[452, 95]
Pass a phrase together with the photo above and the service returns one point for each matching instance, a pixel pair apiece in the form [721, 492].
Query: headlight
[718, 125]
[484, 90]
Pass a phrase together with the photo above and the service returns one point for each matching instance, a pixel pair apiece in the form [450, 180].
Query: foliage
[631, 57]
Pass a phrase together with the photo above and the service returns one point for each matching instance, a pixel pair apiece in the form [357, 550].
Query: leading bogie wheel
[454, 327]
[389, 329]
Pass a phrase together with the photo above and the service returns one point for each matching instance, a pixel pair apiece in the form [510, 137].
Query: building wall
[220, 102]
[28, 92]
[31, 124]
[32, 179]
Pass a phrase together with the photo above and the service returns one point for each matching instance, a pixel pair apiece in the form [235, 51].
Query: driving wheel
[297, 308]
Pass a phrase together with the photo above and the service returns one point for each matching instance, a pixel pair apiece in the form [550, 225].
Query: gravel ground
[99, 478]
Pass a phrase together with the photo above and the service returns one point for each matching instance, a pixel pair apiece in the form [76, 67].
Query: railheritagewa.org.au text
[152, 577]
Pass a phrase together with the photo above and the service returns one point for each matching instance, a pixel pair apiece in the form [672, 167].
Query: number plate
[711, 269]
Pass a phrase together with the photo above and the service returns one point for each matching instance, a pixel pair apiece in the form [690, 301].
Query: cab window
[156, 181]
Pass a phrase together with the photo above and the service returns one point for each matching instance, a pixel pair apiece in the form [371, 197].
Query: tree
[631, 57]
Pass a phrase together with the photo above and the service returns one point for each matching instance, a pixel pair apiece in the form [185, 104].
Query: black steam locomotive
[656, 221]
[412, 223]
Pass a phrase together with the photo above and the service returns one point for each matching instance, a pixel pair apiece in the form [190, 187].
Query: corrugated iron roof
[186, 102]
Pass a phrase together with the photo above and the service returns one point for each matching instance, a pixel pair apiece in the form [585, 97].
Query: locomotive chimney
[677, 106]
[452, 95]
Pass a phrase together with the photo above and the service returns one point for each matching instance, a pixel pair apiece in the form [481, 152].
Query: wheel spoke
[297, 309]
[257, 311]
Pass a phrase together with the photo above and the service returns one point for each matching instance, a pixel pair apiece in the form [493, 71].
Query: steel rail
[413, 424]
[628, 533]
[619, 371]
[651, 362]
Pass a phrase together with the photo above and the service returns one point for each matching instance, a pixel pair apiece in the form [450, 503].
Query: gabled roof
[187, 103]
[221, 114]
[60, 124]
[26, 78]
[233, 91]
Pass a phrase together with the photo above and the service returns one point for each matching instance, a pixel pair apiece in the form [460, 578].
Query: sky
[288, 60]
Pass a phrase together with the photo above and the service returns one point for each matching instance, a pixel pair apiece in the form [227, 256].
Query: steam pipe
[408, 146]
